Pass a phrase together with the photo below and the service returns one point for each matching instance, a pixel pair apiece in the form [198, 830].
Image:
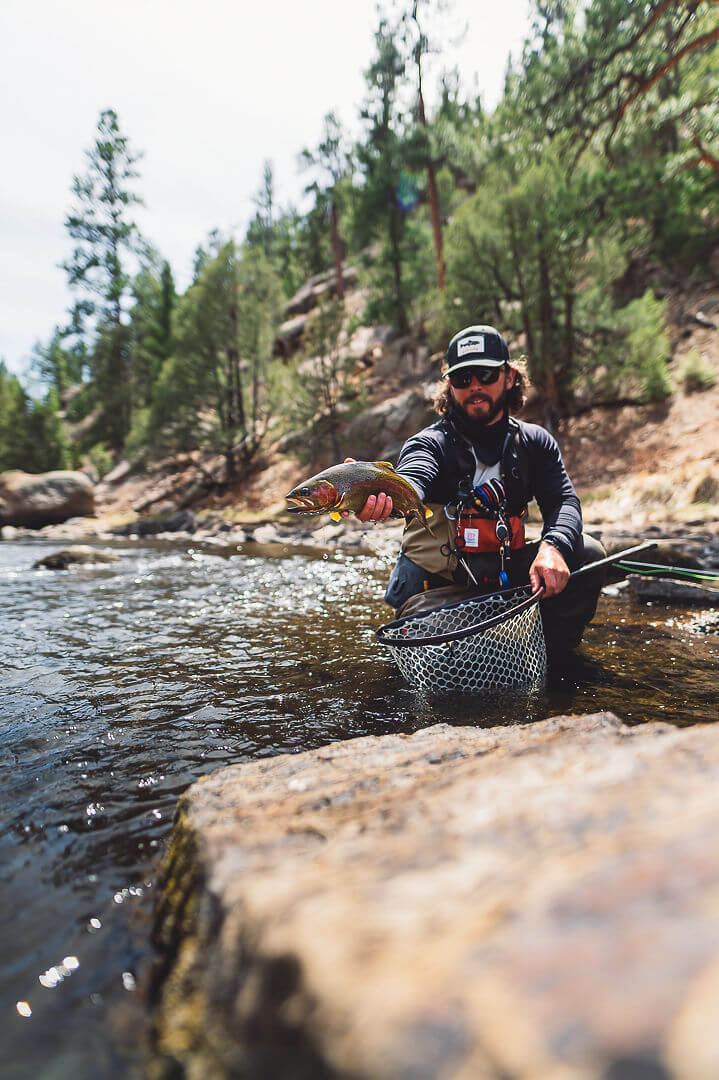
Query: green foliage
[696, 373]
[151, 333]
[105, 235]
[646, 346]
[217, 391]
[101, 459]
[32, 436]
[99, 222]
[386, 204]
[57, 364]
[594, 182]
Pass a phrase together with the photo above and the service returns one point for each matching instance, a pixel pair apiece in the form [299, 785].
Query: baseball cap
[477, 345]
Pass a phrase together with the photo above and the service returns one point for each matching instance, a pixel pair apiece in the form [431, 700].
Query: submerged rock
[75, 556]
[529, 901]
[34, 500]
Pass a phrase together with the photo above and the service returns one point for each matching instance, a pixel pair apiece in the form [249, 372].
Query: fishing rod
[647, 545]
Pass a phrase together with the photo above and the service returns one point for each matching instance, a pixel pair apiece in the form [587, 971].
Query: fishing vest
[425, 550]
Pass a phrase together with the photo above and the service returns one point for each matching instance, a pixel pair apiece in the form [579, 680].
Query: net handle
[496, 620]
[440, 639]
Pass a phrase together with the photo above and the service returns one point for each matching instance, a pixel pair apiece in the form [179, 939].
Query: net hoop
[386, 634]
[482, 644]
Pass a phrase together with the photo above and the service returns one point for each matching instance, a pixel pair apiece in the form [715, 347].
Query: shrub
[695, 372]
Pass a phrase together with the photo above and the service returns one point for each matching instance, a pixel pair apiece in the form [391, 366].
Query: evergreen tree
[218, 390]
[32, 437]
[58, 364]
[151, 339]
[390, 192]
[330, 162]
[14, 409]
[623, 62]
[105, 236]
[419, 47]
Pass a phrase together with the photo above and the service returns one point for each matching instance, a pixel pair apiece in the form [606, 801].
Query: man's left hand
[550, 568]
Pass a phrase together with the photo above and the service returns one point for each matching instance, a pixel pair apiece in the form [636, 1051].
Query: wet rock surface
[533, 901]
[32, 500]
[183, 521]
[673, 592]
[81, 555]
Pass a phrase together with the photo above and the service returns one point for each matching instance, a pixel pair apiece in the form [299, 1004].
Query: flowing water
[121, 684]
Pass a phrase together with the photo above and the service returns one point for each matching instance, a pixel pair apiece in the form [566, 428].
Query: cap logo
[470, 345]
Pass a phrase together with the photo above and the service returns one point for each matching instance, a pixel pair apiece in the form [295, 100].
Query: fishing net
[488, 643]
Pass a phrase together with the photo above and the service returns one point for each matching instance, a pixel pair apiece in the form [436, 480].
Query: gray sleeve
[419, 462]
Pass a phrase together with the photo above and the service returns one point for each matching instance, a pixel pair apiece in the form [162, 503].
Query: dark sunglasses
[461, 379]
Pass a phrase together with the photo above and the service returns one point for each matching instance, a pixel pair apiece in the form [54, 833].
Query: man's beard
[496, 409]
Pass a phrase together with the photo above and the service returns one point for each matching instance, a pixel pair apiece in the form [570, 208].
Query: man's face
[483, 403]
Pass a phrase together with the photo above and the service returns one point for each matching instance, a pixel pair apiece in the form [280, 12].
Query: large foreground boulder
[33, 500]
[538, 902]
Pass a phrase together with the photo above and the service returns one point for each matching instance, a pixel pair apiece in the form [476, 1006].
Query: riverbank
[531, 901]
[640, 471]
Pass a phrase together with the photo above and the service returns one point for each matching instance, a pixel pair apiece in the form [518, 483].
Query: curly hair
[516, 397]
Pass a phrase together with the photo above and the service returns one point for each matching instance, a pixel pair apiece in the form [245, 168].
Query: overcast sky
[207, 91]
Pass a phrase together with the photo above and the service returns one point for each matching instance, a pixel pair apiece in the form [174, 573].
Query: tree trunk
[521, 288]
[395, 226]
[546, 319]
[568, 358]
[337, 249]
[431, 178]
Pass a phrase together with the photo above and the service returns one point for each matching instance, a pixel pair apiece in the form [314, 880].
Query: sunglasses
[461, 379]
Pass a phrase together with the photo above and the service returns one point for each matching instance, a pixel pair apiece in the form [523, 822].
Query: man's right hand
[377, 508]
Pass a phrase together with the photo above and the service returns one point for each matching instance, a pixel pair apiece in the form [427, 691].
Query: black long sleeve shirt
[437, 458]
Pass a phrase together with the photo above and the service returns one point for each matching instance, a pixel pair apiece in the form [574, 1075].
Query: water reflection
[122, 684]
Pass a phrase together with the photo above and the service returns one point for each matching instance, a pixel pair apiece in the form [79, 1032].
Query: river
[123, 683]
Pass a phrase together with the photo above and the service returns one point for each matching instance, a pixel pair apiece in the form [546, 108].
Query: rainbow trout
[347, 487]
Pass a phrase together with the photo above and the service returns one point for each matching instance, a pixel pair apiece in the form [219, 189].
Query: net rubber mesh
[511, 655]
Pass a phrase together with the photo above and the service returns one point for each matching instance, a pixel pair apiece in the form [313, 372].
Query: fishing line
[649, 569]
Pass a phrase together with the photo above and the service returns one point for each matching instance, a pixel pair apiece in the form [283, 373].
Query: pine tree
[218, 388]
[330, 162]
[390, 193]
[105, 236]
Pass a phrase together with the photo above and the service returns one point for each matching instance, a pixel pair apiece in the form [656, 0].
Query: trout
[348, 486]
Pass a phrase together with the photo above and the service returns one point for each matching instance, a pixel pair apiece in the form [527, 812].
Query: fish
[348, 486]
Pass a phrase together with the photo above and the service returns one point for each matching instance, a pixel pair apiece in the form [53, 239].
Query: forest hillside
[580, 217]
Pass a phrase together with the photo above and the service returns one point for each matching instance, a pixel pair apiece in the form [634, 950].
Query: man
[477, 468]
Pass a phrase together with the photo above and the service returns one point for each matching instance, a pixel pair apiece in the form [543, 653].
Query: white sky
[208, 91]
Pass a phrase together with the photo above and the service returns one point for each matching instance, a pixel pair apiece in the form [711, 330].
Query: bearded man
[478, 468]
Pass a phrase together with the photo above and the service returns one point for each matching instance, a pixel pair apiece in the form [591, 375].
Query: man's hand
[549, 567]
[377, 508]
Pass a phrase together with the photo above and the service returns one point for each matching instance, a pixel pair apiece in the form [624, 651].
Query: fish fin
[385, 465]
[335, 516]
[421, 518]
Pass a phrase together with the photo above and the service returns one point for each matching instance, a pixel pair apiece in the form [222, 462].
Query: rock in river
[35, 500]
[532, 901]
[673, 592]
[75, 556]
